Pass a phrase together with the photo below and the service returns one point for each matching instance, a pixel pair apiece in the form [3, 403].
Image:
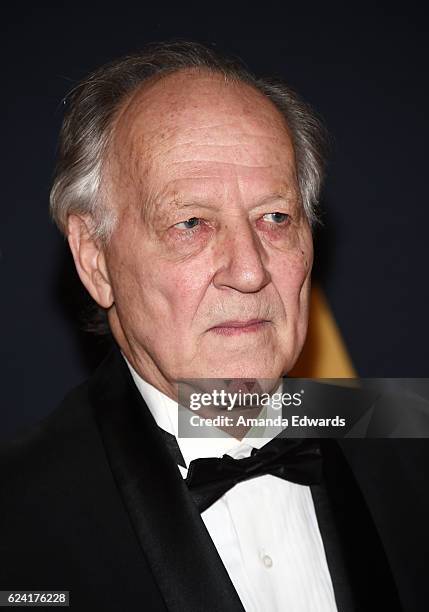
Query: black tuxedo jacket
[92, 502]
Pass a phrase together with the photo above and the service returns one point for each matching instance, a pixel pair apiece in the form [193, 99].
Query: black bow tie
[296, 460]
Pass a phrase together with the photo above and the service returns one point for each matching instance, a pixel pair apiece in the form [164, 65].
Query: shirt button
[267, 561]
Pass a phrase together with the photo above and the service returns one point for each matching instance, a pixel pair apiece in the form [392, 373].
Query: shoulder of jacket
[51, 440]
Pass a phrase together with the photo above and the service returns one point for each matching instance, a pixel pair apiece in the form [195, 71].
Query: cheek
[148, 288]
[170, 293]
[292, 277]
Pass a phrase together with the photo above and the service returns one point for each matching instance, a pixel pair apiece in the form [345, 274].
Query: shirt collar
[165, 412]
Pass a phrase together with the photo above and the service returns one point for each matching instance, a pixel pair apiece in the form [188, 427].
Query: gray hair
[93, 105]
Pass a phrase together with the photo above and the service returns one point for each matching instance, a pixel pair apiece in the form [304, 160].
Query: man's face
[211, 258]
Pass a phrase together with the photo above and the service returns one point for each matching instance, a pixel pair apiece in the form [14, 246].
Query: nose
[241, 259]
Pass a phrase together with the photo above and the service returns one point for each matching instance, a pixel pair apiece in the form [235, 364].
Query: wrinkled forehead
[204, 117]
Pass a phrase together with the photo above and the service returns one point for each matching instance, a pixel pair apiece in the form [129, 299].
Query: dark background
[365, 72]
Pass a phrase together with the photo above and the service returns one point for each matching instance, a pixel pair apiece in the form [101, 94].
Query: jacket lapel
[356, 554]
[392, 476]
[172, 535]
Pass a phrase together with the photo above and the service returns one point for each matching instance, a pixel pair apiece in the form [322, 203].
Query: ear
[89, 258]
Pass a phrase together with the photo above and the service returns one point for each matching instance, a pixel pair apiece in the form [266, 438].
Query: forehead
[194, 124]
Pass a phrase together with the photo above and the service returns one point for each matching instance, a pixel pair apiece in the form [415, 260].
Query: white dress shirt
[265, 529]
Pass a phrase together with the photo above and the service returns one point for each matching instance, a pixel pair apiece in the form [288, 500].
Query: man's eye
[188, 224]
[277, 217]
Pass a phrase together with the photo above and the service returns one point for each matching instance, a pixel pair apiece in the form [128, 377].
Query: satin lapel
[362, 549]
[183, 558]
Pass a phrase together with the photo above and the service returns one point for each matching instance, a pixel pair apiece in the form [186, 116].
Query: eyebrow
[290, 197]
[188, 204]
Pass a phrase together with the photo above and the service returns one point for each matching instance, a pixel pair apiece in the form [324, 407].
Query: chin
[254, 367]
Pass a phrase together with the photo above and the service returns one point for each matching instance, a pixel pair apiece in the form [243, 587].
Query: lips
[234, 327]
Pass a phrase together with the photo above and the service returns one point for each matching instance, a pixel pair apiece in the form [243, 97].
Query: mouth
[234, 328]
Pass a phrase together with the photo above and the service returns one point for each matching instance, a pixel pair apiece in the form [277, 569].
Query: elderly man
[187, 190]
